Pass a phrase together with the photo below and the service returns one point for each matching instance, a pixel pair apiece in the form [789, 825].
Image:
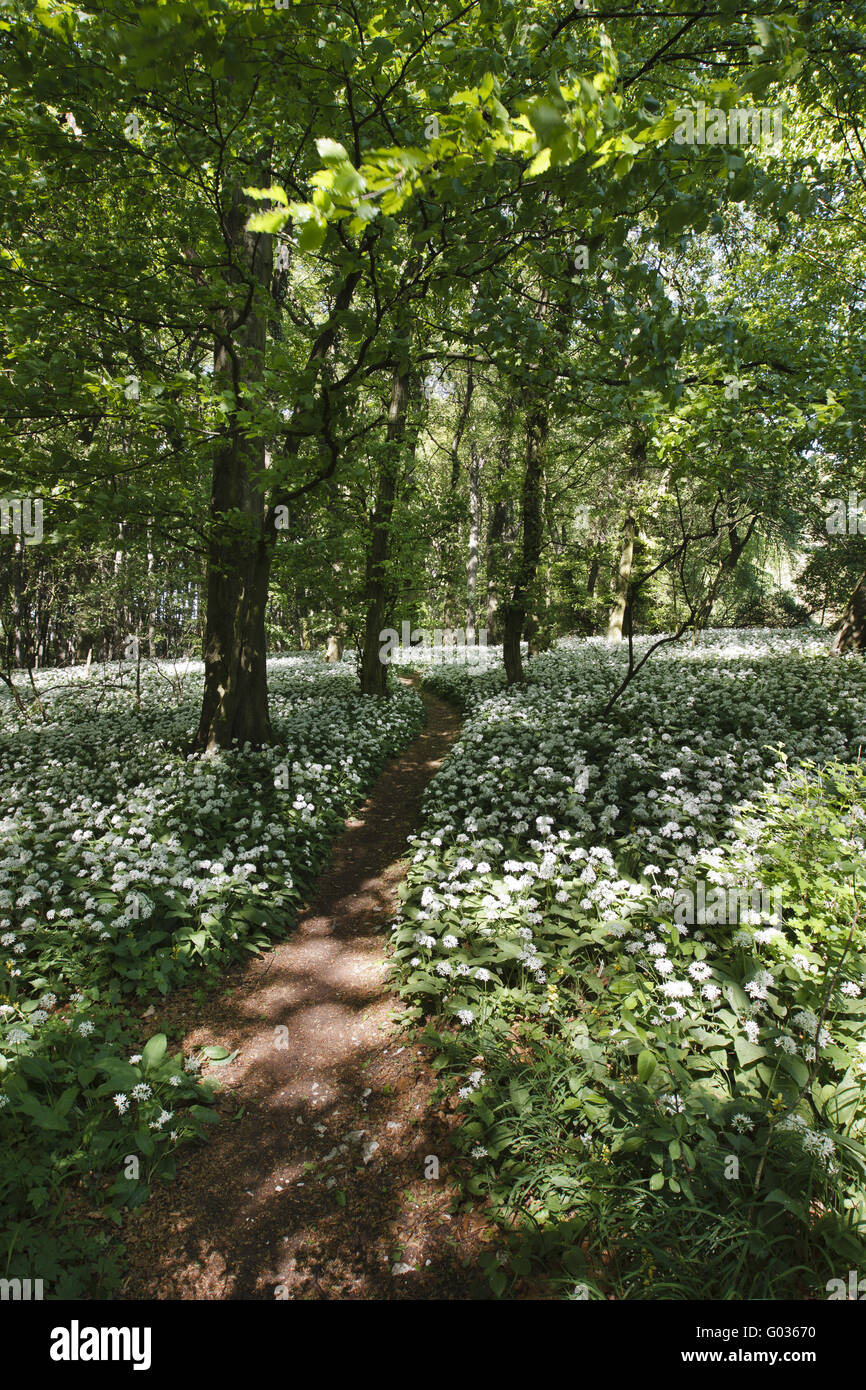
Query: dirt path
[313, 1186]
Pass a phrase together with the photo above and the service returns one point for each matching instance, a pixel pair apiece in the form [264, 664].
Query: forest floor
[313, 1185]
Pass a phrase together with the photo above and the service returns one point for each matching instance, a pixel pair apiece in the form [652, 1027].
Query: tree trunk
[19, 616]
[373, 670]
[496, 529]
[244, 524]
[495, 548]
[474, 537]
[851, 636]
[620, 619]
[122, 627]
[151, 601]
[592, 576]
[703, 608]
[623, 580]
[452, 546]
[235, 702]
[517, 608]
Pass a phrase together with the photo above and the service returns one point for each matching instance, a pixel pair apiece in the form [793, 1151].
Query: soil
[317, 1182]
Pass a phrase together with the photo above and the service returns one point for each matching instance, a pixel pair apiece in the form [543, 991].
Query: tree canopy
[507, 319]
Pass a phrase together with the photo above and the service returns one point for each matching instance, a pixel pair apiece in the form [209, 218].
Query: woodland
[492, 368]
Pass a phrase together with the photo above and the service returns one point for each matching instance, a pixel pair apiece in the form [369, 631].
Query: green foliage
[491, 202]
[655, 1109]
[115, 896]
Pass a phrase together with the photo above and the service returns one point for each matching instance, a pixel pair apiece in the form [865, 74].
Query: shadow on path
[313, 1185]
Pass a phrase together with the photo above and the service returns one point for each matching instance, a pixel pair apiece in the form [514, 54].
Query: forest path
[313, 1185]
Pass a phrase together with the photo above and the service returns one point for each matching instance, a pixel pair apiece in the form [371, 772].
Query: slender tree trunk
[702, 610]
[496, 529]
[474, 537]
[495, 548]
[151, 599]
[122, 626]
[373, 670]
[19, 618]
[43, 655]
[851, 636]
[592, 576]
[516, 610]
[453, 546]
[623, 580]
[619, 622]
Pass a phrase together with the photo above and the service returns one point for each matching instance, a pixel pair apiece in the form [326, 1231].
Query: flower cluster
[124, 862]
[540, 916]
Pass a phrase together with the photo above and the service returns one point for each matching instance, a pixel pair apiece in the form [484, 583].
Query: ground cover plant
[640, 944]
[128, 863]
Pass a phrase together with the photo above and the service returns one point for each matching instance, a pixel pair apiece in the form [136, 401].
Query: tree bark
[474, 537]
[851, 636]
[592, 575]
[19, 613]
[623, 580]
[151, 602]
[703, 608]
[496, 529]
[452, 545]
[516, 609]
[235, 701]
[495, 549]
[374, 676]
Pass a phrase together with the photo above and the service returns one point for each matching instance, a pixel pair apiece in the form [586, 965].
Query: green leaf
[312, 235]
[205, 1116]
[795, 1067]
[646, 1065]
[519, 1096]
[43, 1117]
[154, 1050]
[348, 183]
[274, 194]
[747, 1052]
[546, 121]
[540, 163]
[331, 152]
[268, 221]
